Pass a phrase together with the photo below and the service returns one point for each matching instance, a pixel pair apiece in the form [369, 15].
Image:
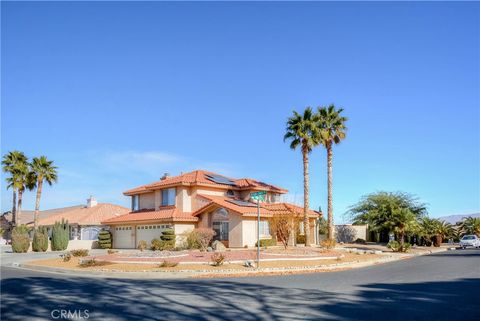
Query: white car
[470, 240]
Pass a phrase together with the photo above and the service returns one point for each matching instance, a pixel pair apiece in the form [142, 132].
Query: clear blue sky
[117, 93]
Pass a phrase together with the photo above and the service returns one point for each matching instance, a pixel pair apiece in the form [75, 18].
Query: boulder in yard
[218, 246]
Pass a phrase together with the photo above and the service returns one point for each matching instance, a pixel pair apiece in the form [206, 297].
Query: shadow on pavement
[119, 299]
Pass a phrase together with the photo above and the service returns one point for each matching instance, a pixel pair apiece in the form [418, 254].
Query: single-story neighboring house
[84, 220]
[202, 199]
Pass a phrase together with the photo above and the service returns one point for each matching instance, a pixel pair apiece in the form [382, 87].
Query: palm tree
[43, 170]
[331, 125]
[470, 225]
[10, 161]
[22, 179]
[302, 132]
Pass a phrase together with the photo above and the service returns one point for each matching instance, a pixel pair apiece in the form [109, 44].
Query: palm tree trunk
[306, 225]
[19, 207]
[37, 202]
[329, 188]
[14, 208]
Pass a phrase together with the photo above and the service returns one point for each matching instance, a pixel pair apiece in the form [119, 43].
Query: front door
[221, 231]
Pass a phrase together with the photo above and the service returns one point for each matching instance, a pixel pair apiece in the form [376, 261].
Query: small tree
[203, 236]
[60, 235]
[168, 238]
[105, 239]
[20, 239]
[40, 239]
[282, 226]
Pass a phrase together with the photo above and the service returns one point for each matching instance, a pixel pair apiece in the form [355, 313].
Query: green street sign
[258, 196]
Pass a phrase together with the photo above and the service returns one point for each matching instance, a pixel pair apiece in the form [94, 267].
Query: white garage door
[149, 232]
[123, 238]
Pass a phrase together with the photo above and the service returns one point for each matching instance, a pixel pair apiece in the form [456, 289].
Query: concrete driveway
[443, 286]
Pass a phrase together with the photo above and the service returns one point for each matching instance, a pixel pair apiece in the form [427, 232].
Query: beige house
[201, 199]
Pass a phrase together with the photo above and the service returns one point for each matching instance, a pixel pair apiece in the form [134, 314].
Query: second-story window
[168, 196]
[135, 206]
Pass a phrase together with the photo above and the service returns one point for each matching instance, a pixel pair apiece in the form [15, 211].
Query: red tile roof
[226, 203]
[266, 209]
[198, 177]
[85, 215]
[167, 213]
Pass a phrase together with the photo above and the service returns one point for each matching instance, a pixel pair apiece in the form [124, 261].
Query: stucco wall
[349, 233]
[181, 231]
[235, 236]
[183, 199]
[249, 232]
[146, 201]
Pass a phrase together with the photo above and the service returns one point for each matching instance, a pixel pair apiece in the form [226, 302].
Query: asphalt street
[443, 286]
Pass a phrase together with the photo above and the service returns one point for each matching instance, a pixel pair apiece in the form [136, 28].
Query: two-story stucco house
[201, 199]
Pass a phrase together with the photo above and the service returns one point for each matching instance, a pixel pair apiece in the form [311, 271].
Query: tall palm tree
[332, 129]
[23, 179]
[10, 161]
[301, 131]
[43, 170]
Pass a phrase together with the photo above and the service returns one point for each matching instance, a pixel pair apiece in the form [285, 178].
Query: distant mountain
[452, 219]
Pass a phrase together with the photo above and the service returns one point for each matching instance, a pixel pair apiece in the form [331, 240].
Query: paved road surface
[443, 286]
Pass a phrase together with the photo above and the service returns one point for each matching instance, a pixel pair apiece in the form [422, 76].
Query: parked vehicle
[470, 240]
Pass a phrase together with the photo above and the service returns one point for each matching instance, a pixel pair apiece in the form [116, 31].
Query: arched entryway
[220, 224]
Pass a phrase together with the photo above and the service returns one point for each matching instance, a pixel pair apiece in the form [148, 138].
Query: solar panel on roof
[242, 203]
[219, 179]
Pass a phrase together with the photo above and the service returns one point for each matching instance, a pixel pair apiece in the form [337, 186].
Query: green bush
[79, 252]
[105, 239]
[156, 245]
[60, 235]
[300, 238]
[40, 240]
[267, 242]
[20, 239]
[168, 237]
[396, 247]
[192, 241]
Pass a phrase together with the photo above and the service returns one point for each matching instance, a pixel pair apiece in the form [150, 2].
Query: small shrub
[142, 245]
[300, 238]
[40, 240]
[192, 241]
[91, 262]
[60, 235]
[267, 242]
[396, 247]
[156, 245]
[360, 241]
[202, 237]
[110, 251]
[20, 239]
[79, 252]
[217, 259]
[328, 243]
[105, 239]
[167, 264]
[66, 257]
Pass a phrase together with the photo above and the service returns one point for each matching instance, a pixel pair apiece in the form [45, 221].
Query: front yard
[195, 261]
